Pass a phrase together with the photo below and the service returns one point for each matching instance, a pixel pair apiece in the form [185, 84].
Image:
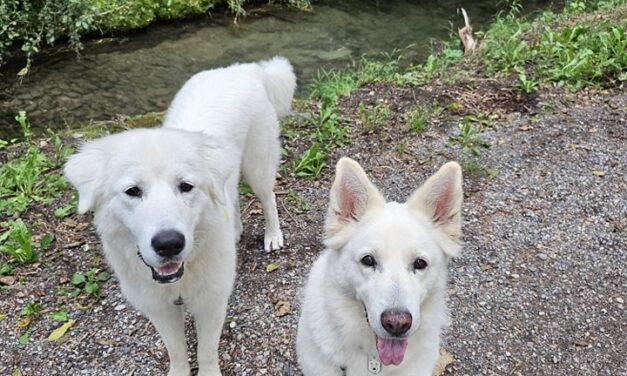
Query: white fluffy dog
[170, 197]
[375, 299]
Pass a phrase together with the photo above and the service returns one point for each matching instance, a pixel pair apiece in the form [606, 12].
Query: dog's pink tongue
[169, 268]
[391, 351]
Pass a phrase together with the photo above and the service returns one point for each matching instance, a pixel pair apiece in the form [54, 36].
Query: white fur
[240, 105]
[227, 120]
[157, 161]
[344, 299]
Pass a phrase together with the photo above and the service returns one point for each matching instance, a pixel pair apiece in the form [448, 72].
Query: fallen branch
[465, 33]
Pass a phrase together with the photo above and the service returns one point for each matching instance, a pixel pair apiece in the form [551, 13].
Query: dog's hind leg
[259, 167]
[169, 320]
[233, 192]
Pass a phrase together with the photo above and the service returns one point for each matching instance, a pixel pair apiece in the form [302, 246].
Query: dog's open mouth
[391, 350]
[168, 273]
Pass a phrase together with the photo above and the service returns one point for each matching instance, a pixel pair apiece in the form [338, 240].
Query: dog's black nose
[396, 322]
[168, 243]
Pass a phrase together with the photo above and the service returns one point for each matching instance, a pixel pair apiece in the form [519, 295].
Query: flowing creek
[142, 72]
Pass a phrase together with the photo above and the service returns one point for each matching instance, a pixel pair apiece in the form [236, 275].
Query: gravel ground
[539, 289]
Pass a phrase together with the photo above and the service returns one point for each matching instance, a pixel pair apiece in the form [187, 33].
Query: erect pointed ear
[352, 195]
[85, 170]
[440, 198]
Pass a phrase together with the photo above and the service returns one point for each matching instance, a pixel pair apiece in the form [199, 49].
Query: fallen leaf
[23, 323]
[17, 372]
[60, 331]
[3, 316]
[282, 308]
[271, 267]
[444, 360]
[599, 173]
[25, 337]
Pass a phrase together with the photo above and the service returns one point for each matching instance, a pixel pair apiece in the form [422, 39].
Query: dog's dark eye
[185, 187]
[368, 261]
[420, 264]
[134, 191]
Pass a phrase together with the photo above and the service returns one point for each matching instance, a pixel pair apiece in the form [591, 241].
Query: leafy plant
[31, 309]
[417, 119]
[311, 162]
[59, 314]
[31, 175]
[88, 282]
[469, 138]
[327, 127]
[17, 242]
[525, 84]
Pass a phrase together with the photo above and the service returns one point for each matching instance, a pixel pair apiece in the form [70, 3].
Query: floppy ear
[352, 196]
[84, 170]
[219, 170]
[440, 198]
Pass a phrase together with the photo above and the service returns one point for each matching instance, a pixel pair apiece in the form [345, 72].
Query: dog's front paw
[179, 370]
[273, 240]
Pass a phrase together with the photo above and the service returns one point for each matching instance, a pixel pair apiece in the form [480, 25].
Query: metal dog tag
[374, 365]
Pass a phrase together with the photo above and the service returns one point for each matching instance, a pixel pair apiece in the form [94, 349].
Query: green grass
[417, 119]
[373, 117]
[589, 52]
[31, 174]
[17, 242]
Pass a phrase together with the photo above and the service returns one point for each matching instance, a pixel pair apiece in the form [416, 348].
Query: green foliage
[297, 201]
[28, 176]
[580, 55]
[59, 314]
[17, 242]
[31, 309]
[88, 282]
[576, 55]
[329, 85]
[373, 116]
[327, 126]
[526, 84]
[417, 119]
[28, 26]
[371, 70]
[24, 338]
[311, 162]
[469, 138]
[245, 188]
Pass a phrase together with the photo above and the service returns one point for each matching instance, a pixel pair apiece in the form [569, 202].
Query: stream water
[142, 72]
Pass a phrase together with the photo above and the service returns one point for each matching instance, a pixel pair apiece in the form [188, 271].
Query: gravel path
[540, 287]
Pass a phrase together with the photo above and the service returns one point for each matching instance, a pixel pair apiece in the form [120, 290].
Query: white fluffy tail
[280, 83]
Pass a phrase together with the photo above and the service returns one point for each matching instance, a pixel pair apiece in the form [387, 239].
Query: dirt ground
[538, 290]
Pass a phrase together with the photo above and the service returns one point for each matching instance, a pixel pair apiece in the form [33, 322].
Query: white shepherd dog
[375, 299]
[165, 200]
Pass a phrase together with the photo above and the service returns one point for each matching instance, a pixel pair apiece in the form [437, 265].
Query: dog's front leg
[170, 323]
[209, 322]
